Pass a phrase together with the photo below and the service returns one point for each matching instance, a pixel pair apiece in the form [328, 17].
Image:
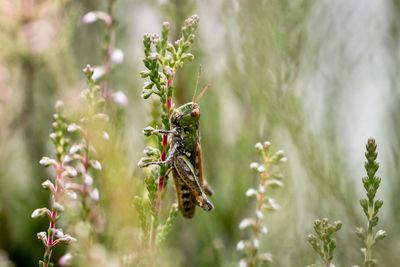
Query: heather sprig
[83, 151]
[86, 130]
[57, 187]
[370, 205]
[268, 178]
[162, 61]
[111, 55]
[323, 243]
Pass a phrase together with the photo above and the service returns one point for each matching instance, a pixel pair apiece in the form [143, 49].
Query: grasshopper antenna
[202, 93]
[197, 83]
[197, 86]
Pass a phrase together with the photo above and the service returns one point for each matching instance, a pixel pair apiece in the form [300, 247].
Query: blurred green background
[316, 78]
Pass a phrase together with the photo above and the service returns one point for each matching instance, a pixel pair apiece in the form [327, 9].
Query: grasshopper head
[186, 115]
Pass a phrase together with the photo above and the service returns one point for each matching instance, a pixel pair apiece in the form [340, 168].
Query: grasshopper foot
[207, 205]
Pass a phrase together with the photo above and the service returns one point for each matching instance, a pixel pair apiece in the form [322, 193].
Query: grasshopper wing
[185, 171]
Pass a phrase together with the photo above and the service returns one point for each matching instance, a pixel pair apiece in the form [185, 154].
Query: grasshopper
[186, 161]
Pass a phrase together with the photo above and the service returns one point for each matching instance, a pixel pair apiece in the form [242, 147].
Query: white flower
[267, 144]
[272, 203]
[72, 127]
[242, 263]
[259, 214]
[283, 160]
[251, 192]
[261, 168]
[72, 194]
[106, 136]
[95, 164]
[254, 165]
[259, 146]
[58, 232]
[70, 171]
[117, 56]
[261, 189]
[42, 236]
[65, 260]
[95, 195]
[120, 99]
[88, 180]
[68, 239]
[89, 18]
[256, 243]
[264, 229]
[46, 161]
[246, 222]
[75, 148]
[240, 245]
[40, 212]
[48, 184]
[98, 72]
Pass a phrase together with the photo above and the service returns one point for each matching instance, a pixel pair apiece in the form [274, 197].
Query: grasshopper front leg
[186, 173]
[150, 130]
[168, 160]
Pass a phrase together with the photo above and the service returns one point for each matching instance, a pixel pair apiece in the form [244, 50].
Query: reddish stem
[54, 213]
[164, 147]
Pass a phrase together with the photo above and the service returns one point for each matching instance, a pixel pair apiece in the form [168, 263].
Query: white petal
[246, 222]
[89, 18]
[251, 192]
[117, 56]
[240, 245]
[120, 98]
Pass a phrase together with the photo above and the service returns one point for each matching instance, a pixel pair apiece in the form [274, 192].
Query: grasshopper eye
[195, 112]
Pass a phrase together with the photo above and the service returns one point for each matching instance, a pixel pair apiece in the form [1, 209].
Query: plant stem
[165, 145]
[108, 50]
[162, 176]
[53, 217]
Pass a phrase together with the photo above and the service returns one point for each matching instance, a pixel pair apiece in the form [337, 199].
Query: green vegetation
[285, 71]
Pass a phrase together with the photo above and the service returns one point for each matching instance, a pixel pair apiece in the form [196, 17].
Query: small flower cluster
[370, 206]
[73, 165]
[89, 128]
[163, 59]
[268, 179]
[327, 245]
[82, 151]
[112, 55]
[58, 187]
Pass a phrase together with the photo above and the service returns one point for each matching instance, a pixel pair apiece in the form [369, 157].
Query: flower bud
[40, 212]
[246, 222]
[46, 161]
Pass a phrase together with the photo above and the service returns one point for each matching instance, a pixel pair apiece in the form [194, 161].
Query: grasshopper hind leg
[199, 161]
[187, 175]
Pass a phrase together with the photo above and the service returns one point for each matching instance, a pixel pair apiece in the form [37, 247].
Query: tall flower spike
[370, 205]
[323, 243]
[162, 60]
[267, 178]
[56, 187]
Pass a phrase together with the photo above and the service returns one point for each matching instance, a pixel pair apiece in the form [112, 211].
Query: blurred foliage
[257, 56]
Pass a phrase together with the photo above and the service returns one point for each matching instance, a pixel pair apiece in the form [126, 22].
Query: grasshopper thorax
[187, 115]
